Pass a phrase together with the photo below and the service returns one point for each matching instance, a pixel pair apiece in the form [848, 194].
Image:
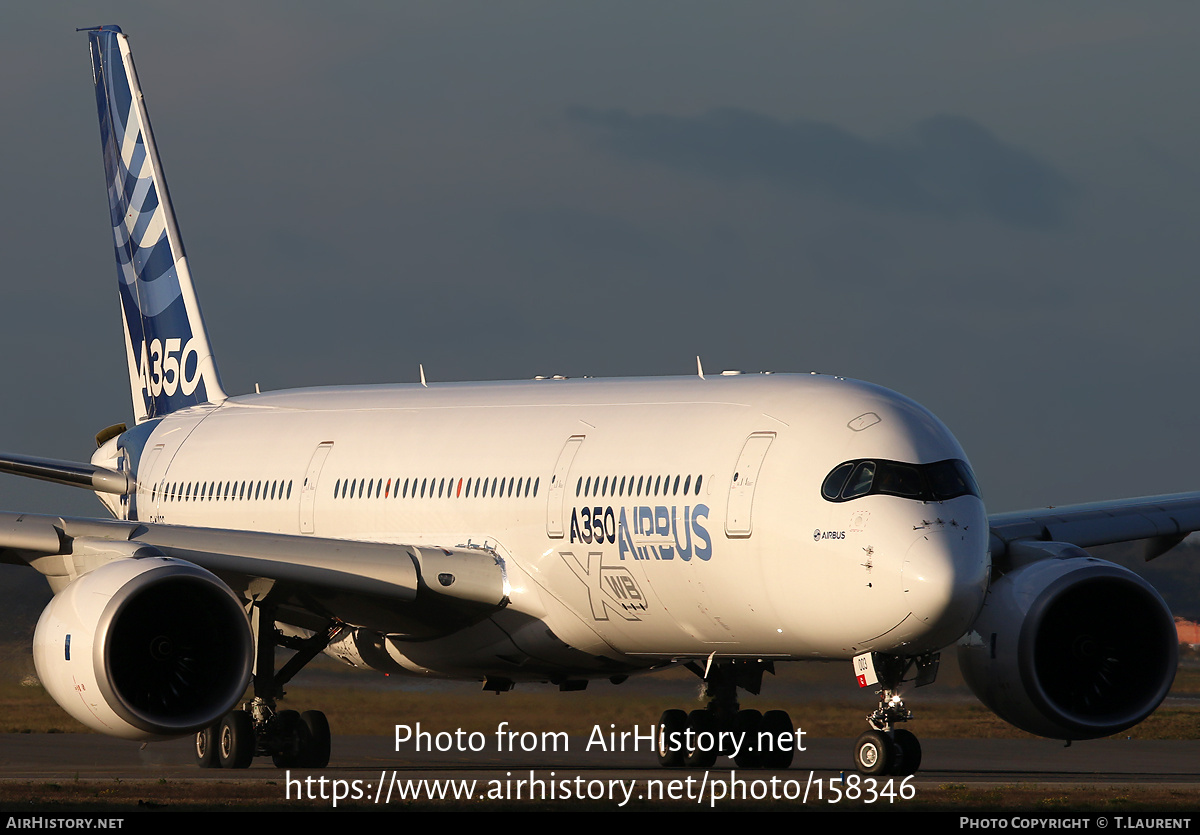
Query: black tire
[746, 726]
[290, 736]
[908, 753]
[671, 726]
[235, 740]
[207, 751]
[874, 753]
[317, 753]
[778, 724]
[701, 722]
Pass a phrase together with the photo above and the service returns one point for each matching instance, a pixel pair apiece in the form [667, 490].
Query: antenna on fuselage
[699, 367]
[422, 367]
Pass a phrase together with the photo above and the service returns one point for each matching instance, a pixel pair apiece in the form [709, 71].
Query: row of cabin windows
[202, 491]
[435, 488]
[653, 485]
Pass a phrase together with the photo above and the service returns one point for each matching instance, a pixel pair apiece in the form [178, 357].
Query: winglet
[171, 364]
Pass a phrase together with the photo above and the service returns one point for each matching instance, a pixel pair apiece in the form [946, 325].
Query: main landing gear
[886, 749]
[290, 739]
[696, 739]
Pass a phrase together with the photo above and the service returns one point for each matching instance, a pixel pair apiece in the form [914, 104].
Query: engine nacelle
[145, 648]
[1074, 648]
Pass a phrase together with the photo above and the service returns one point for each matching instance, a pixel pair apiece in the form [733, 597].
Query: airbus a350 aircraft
[548, 531]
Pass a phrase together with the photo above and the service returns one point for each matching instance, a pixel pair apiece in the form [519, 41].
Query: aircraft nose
[944, 578]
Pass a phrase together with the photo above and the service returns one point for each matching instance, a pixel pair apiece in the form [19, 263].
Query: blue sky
[988, 207]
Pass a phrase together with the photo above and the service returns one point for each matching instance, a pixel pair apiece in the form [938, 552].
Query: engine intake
[145, 648]
[1074, 648]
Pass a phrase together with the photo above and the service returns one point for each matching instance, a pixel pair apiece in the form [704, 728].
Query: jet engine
[145, 648]
[1071, 648]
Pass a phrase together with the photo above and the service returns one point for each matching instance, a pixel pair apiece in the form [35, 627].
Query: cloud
[945, 165]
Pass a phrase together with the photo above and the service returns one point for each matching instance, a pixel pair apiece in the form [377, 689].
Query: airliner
[548, 531]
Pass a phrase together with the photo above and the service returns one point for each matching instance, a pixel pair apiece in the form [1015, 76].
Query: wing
[417, 591]
[1160, 522]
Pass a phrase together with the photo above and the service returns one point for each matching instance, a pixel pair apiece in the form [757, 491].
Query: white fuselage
[640, 521]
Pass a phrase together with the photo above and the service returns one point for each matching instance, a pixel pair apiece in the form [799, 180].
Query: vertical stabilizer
[171, 365]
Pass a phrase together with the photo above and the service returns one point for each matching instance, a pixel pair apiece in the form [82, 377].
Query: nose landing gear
[886, 749]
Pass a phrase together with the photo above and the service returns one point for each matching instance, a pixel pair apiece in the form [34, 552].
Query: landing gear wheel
[236, 740]
[317, 753]
[701, 722]
[746, 726]
[778, 724]
[908, 753]
[874, 753]
[207, 753]
[671, 728]
[292, 738]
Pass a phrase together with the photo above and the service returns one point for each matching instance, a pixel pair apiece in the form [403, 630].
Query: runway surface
[37, 757]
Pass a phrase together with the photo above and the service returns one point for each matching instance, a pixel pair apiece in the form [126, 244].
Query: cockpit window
[936, 482]
[860, 480]
[835, 481]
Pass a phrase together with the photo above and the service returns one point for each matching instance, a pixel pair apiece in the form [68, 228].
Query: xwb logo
[609, 588]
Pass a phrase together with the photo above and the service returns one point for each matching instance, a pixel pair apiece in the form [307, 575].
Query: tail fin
[171, 365]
